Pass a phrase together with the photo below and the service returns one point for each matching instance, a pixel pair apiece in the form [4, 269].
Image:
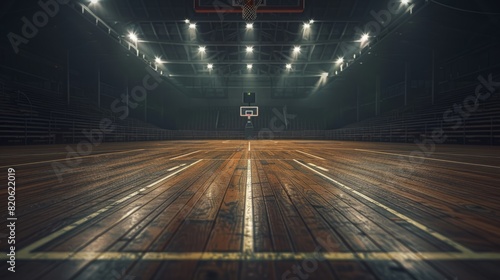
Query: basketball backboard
[249, 111]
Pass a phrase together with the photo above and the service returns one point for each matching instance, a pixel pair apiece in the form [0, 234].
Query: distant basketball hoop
[249, 111]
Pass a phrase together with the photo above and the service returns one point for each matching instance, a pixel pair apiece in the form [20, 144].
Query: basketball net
[249, 8]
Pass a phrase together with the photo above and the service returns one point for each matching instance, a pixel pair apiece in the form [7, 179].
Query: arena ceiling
[317, 54]
[294, 52]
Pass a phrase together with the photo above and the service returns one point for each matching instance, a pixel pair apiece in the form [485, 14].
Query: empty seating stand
[481, 126]
[36, 116]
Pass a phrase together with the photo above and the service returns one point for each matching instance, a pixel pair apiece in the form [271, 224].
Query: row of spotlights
[248, 26]
[210, 66]
[249, 49]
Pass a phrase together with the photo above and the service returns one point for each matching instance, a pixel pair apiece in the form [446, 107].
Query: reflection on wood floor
[254, 210]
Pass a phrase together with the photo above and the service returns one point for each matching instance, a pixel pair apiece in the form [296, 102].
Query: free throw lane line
[310, 155]
[31, 247]
[61, 159]
[436, 235]
[428, 158]
[181, 156]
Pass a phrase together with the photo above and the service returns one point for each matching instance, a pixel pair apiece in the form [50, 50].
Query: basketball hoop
[249, 111]
[249, 9]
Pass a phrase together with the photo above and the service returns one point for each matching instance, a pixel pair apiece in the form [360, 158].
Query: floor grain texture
[314, 210]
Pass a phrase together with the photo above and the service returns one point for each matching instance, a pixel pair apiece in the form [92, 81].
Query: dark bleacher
[37, 116]
[228, 119]
[420, 120]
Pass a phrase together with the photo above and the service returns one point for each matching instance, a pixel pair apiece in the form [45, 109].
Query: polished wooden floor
[253, 210]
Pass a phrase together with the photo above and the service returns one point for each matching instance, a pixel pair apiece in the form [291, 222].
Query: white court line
[310, 155]
[185, 155]
[435, 153]
[263, 256]
[175, 167]
[319, 167]
[465, 155]
[248, 228]
[430, 231]
[427, 158]
[46, 239]
[249, 146]
[58, 153]
[45, 161]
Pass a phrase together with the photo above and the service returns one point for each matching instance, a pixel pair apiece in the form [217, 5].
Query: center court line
[310, 155]
[260, 256]
[436, 235]
[184, 155]
[53, 160]
[248, 228]
[249, 146]
[43, 241]
[428, 158]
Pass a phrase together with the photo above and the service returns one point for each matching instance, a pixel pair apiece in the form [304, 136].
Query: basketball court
[258, 209]
[208, 140]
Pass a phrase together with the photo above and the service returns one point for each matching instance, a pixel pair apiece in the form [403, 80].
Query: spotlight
[289, 66]
[202, 49]
[324, 75]
[405, 2]
[210, 66]
[311, 21]
[296, 49]
[187, 21]
[249, 49]
[365, 37]
[133, 36]
[192, 25]
[249, 25]
[158, 60]
[307, 25]
[94, 1]
[249, 66]
[340, 60]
